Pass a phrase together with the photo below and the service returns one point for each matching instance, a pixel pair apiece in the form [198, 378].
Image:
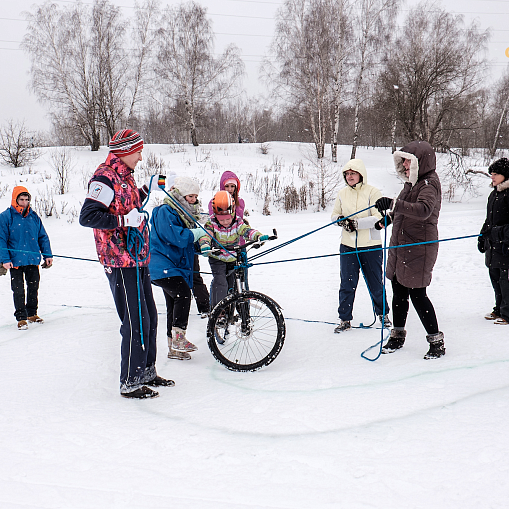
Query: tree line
[337, 72]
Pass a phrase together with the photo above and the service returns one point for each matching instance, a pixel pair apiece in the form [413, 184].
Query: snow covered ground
[320, 427]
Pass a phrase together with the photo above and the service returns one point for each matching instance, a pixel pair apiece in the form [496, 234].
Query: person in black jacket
[494, 240]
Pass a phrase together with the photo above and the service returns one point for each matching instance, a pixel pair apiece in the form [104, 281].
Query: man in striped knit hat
[110, 208]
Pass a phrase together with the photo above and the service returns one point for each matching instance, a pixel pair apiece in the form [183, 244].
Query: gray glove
[3, 270]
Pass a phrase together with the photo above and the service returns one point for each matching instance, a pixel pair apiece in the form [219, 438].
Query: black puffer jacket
[415, 214]
[495, 231]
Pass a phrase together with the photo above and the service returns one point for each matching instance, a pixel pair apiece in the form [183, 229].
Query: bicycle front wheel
[246, 331]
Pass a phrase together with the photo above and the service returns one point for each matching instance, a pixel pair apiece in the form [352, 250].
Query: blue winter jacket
[22, 234]
[171, 246]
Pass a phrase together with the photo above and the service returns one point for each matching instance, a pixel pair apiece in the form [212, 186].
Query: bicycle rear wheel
[246, 331]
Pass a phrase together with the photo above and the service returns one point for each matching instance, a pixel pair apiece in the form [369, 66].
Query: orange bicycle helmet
[223, 204]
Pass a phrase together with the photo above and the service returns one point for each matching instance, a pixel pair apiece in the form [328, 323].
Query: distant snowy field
[320, 427]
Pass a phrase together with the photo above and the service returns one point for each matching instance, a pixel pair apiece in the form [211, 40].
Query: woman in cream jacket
[360, 232]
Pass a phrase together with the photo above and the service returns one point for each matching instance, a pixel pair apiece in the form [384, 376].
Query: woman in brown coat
[415, 218]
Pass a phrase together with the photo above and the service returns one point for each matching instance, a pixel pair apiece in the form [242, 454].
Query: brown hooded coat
[415, 217]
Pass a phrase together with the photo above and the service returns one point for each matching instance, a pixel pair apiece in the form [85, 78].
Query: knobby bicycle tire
[249, 350]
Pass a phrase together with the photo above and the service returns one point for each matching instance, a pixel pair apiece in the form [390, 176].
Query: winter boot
[141, 393]
[343, 326]
[35, 319]
[396, 341]
[159, 381]
[173, 354]
[180, 342]
[385, 321]
[22, 325]
[436, 345]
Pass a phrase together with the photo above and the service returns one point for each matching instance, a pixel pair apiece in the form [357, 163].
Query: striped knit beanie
[125, 142]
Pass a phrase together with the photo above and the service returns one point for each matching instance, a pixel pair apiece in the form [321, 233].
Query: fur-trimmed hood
[503, 185]
[422, 160]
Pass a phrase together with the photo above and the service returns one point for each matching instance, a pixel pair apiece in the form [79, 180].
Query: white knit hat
[186, 185]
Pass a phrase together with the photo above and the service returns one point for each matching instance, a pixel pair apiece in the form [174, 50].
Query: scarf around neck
[193, 209]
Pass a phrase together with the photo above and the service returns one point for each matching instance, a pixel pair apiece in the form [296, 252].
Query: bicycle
[246, 330]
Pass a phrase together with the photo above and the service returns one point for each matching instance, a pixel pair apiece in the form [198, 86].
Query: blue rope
[366, 281]
[182, 209]
[384, 264]
[284, 244]
[365, 250]
[135, 245]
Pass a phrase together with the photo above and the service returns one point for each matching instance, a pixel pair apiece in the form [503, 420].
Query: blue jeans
[371, 263]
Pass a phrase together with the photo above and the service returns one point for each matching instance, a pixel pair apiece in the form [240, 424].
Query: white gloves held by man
[134, 218]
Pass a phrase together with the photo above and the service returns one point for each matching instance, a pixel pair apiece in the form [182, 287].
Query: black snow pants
[29, 274]
[137, 362]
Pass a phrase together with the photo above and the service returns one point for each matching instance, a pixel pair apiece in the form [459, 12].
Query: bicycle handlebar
[250, 243]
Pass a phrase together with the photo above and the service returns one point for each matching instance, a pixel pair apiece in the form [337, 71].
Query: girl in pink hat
[230, 182]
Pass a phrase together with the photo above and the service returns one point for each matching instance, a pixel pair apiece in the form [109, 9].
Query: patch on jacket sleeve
[100, 192]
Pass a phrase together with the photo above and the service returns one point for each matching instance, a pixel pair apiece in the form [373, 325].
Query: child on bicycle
[228, 228]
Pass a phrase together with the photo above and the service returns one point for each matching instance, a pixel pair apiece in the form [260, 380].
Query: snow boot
[492, 316]
[396, 341]
[173, 354]
[35, 319]
[180, 342]
[436, 345]
[159, 381]
[343, 326]
[141, 393]
[385, 321]
[22, 325]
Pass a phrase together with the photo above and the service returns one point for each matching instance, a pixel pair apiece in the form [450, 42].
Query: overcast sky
[247, 23]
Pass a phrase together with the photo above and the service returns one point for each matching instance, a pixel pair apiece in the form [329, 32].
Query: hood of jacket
[422, 160]
[358, 166]
[15, 193]
[227, 175]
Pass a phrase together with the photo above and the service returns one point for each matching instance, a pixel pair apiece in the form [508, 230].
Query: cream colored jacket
[352, 199]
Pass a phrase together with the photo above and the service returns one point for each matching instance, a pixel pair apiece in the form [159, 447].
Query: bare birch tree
[85, 68]
[143, 37]
[436, 64]
[501, 106]
[62, 69]
[18, 145]
[308, 52]
[110, 59]
[374, 24]
[186, 67]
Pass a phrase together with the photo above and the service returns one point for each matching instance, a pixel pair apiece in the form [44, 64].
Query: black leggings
[178, 301]
[421, 303]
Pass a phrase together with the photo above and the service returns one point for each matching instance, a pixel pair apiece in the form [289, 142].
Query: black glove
[382, 204]
[480, 244]
[382, 223]
[350, 225]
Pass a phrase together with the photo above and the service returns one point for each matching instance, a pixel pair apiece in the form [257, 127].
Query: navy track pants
[137, 365]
